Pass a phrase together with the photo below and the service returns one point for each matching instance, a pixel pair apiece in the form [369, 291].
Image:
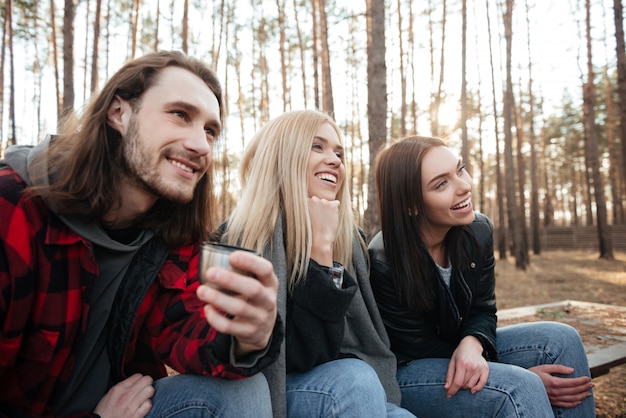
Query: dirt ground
[555, 276]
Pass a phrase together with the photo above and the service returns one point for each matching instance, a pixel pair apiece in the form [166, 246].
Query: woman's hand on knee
[468, 369]
[129, 398]
[563, 392]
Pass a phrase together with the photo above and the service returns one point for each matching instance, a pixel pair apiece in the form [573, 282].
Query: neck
[135, 202]
[434, 243]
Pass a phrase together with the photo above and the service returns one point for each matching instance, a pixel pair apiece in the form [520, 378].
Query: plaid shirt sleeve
[176, 330]
[35, 333]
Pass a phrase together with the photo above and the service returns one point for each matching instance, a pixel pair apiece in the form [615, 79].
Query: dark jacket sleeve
[316, 318]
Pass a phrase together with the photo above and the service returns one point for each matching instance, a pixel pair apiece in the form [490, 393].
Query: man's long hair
[83, 160]
[273, 174]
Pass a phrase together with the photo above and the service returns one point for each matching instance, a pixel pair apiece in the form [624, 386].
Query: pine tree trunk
[604, 236]
[376, 101]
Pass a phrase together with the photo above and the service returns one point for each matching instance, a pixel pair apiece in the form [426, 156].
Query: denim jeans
[511, 390]
[196, 396]
[342, 388]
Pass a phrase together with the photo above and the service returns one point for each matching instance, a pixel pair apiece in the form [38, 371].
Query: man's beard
[135, 167]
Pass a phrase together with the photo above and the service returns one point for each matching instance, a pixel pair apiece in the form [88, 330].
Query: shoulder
[482, 225]
[11, 184]
[376, 248]
[13, 199]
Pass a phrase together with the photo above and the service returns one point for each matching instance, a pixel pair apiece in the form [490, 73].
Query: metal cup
[215, 254]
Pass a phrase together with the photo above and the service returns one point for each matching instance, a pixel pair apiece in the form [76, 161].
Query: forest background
[531, 93]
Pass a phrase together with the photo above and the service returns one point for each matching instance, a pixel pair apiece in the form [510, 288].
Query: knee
[562, 335]
[357, 375]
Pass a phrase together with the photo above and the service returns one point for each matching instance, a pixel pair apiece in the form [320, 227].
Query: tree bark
[621, 81]
[604, 235]
[376, 101]
[327, 87]
[68, 57]
[501, 221]
[95, 51]
[514, 212]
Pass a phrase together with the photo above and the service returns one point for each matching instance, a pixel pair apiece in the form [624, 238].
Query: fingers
[129, 398]
[249, 314]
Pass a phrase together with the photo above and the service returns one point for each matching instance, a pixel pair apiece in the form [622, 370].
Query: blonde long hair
[273, 178]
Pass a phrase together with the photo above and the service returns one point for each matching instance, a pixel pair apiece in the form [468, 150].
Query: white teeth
[462, 204]
[327, 177]
[181, 166]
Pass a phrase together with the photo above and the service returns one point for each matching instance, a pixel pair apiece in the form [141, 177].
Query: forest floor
[555, 276]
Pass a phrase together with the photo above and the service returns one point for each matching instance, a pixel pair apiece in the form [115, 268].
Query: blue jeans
[196, 396]
[342, 388]
[511, 390]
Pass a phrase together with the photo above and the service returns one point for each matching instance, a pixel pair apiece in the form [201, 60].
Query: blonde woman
[295, 210]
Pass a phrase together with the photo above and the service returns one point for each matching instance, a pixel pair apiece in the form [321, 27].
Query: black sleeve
[316, 313]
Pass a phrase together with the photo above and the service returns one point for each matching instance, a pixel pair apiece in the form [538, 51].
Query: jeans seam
[187, 406]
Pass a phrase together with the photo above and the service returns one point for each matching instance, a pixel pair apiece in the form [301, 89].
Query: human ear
[118, 114]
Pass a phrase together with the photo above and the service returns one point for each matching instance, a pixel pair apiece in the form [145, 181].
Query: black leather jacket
[467, 307]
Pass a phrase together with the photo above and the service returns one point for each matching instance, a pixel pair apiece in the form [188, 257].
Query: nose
[333, 159]
[198, 142]
[465, 185]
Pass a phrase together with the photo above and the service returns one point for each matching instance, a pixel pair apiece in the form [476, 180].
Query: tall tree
[12, 138]
[68, 56]
[464, 138]
[316, 53]
[327, 85]
[280, 5]
[591, 148]
[185, 28]
[436, 101]
[157, 22]
[621, 79]
[403, 107]
[86, 67]
[302, 51]
[613, 157]
[134, 27]
[514, 213]
[501, 229]
[376, 100]
[532, 142]
[95, 49]
[5, 23]
[55, 61]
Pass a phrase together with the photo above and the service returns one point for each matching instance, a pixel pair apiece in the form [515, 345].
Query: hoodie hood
[20, 158]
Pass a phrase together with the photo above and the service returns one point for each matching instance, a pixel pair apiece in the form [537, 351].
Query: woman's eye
[441, 184]
[317, 146]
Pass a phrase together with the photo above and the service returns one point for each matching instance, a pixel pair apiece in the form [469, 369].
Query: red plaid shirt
[44, 270]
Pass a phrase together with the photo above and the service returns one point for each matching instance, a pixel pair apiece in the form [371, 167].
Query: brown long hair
[401, 206]
[82, 160]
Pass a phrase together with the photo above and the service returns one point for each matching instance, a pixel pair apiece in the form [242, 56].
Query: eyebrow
[324, 140]
[442, 175]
